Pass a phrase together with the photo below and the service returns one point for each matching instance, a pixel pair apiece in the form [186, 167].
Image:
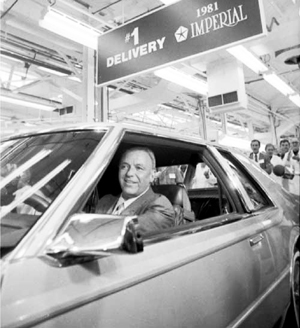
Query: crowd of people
[273, 160]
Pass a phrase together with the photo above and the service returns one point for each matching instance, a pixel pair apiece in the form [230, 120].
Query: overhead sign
[180, 31]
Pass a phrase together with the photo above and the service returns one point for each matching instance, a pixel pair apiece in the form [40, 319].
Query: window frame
[245, 172]
[209, 158]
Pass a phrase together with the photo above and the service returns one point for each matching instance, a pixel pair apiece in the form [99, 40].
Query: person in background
[259, 157]
[203, 178]
[284, 149]
[274, 160]
[291, 160]
[170, 175]
[136, 173]
[183, 169]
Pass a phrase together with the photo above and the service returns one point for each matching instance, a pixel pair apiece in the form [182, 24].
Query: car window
[178, 164]
[33, 173]
[256, 195]
[206, 191]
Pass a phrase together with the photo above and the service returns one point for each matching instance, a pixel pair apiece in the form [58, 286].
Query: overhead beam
[29, 98]
[67, 91]
[150, 97]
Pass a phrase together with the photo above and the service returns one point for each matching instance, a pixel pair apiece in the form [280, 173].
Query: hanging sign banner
[183, 30]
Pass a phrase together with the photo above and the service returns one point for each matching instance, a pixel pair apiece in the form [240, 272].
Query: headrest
[175, 193]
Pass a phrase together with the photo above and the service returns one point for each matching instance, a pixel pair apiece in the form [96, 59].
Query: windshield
[34, 170]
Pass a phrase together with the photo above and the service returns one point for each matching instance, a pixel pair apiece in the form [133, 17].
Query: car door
[272, 244]
[209, 277]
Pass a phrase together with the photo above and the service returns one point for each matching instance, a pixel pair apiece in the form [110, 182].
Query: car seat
[178, 196]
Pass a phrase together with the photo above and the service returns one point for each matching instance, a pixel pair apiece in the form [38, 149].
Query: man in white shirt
[291, 160]
[284, 149]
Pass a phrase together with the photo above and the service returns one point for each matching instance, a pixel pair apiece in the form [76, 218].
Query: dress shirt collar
[129, 201]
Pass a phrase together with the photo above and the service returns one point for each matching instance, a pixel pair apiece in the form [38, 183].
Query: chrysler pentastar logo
[181, 34]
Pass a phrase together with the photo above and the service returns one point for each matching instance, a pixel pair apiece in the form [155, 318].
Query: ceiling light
[52, 71]
[74, 78]
[68, 27]
[182, 79]
[12, 58]
[230, 141]
[26, 103]
[295, 99]
[278, 83]
[248, 59]
[17, 74]
[169, 2]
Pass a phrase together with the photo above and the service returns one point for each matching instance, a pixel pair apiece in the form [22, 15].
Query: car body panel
[45, 289]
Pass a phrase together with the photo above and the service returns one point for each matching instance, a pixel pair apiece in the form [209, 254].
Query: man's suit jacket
[154, 211]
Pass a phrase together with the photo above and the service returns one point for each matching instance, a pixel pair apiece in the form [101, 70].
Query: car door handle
[255, 240]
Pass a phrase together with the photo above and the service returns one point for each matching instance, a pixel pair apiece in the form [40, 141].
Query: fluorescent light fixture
[70, 28]
[26, 103]
[180, 78]
[278, 83]
[74, 78]
[169, 2]
[248, 59]
[230, 141]
[295, 99]
[12, 58]
[52, 71]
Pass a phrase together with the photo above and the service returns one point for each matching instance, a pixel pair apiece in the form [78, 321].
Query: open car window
[34, 170]
[178, 163]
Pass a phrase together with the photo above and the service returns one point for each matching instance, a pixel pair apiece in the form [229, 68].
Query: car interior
[199, 195]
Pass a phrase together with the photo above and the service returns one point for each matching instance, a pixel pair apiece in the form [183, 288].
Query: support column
[224, 123]
[251, 130]
[274, 139]
[202, 120]
[88, 103]
[102, 104]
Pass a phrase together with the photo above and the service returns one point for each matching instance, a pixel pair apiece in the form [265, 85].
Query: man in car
[136, 173]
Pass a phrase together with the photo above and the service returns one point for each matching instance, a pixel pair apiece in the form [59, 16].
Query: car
[231, 260]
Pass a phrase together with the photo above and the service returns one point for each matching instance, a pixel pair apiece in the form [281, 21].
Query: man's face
[255, 147]
[270, 151]
[285, 146]
[295, 145]
[135, 173]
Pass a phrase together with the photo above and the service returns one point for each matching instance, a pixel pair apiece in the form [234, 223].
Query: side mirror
[87, 236]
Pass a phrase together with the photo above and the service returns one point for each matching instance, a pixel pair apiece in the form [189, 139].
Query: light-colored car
[232, 260]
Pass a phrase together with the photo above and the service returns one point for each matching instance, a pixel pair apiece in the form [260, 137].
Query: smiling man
[260, 158]
[136, 173]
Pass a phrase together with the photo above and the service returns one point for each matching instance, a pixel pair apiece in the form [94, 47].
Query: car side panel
[206, 278]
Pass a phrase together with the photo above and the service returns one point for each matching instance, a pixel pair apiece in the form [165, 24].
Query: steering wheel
[38, 202]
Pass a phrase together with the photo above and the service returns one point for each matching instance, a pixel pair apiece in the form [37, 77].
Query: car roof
[156, 131]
